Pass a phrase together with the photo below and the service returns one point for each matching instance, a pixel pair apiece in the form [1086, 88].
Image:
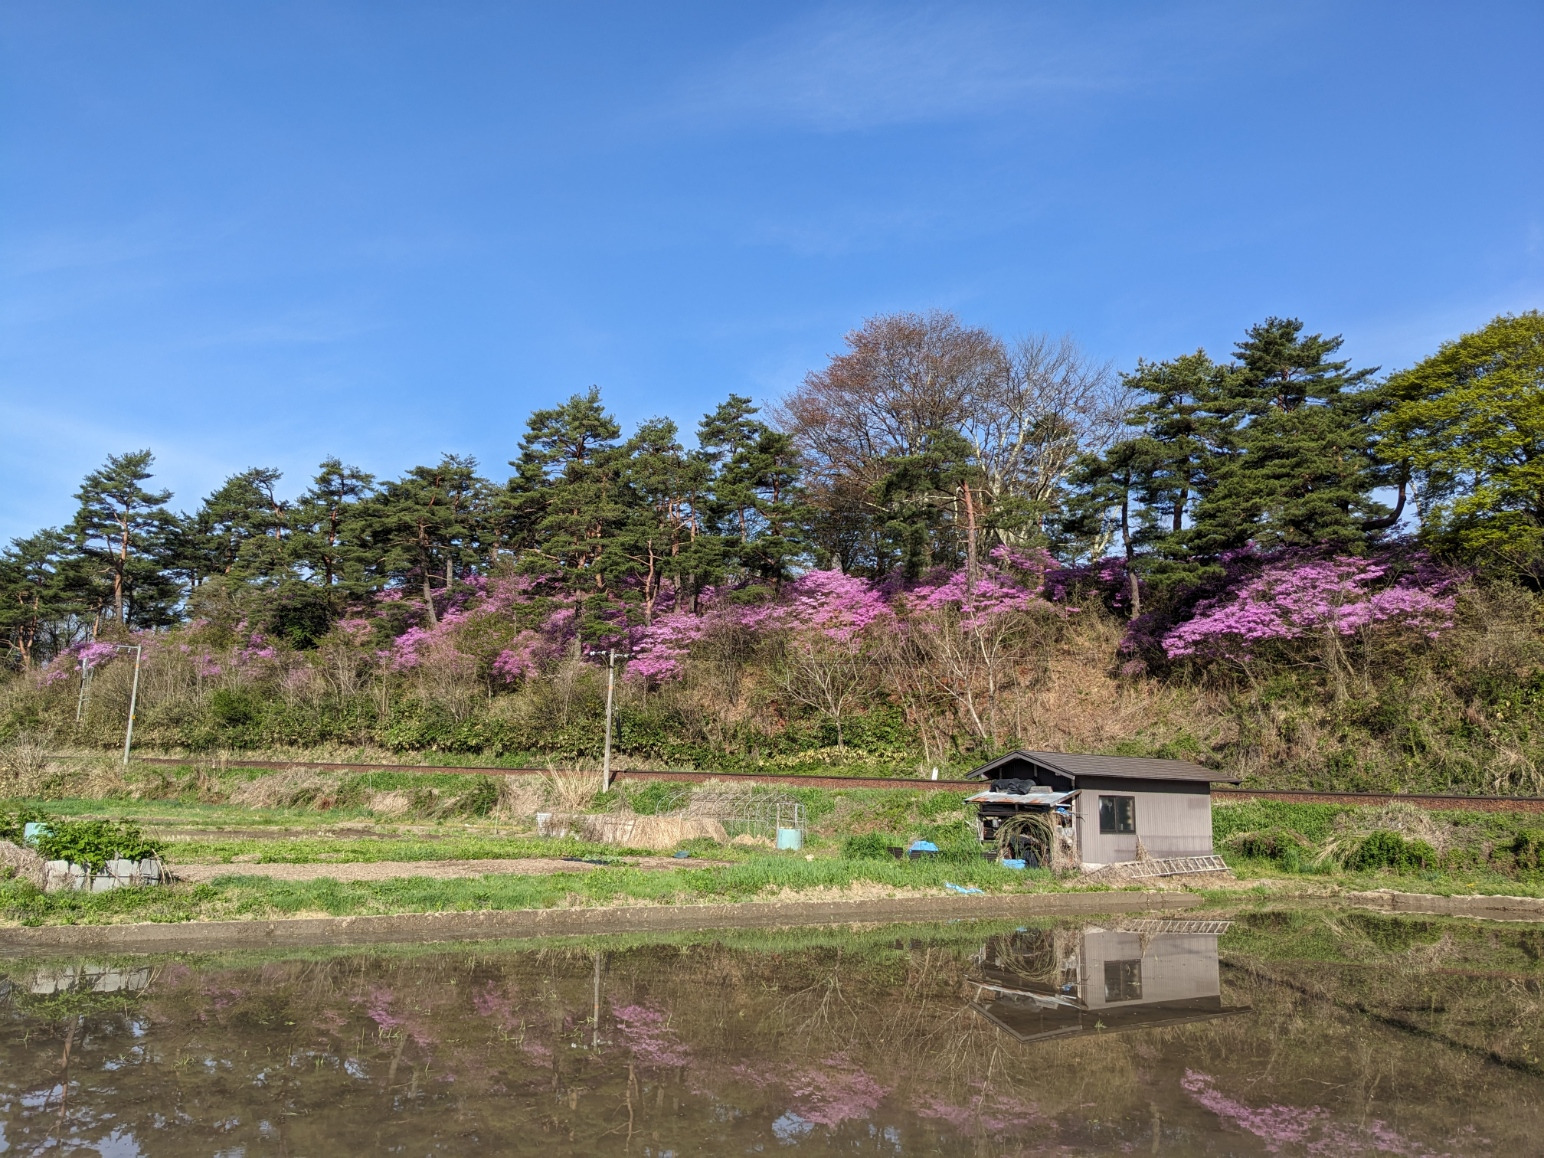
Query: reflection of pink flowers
[648, 1034]
[836, 1092]
[222, 998]
[989, 1111]
[496, 1007]
[1310, 1127]
[535, 1050]
[378, 1009]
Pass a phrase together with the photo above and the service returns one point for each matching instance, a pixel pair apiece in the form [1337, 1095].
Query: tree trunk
[1132, 585]
[120, 571]
[429, 598]
[972, 562]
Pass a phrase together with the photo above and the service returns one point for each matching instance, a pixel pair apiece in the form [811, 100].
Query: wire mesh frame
[743, 811]
[790, 815]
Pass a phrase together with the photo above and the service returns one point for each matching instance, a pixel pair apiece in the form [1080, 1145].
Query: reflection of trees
[701, 1047]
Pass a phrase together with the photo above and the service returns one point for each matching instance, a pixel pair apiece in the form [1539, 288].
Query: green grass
[192, 812]
[1441, 882]
[370, 850]
[761, 877]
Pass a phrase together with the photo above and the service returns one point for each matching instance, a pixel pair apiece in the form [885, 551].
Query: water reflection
[1044, 983]
[1364, 1035]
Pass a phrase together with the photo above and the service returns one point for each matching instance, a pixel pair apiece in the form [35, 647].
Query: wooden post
[611, 689]
[128, 732]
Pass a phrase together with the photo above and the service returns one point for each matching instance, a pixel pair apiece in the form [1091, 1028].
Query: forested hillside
[940, 546]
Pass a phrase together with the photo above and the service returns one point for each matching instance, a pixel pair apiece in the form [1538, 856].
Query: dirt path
[436, 869]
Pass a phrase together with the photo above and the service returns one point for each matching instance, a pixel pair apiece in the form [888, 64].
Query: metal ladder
[1174, 866]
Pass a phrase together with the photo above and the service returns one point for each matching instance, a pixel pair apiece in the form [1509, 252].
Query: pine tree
[327, 534]
[1172, 415]
[565, 501]
[121, 534]
[33, 593]
[428, 525]
[662, 536]
[1111, 499]
[1289, 462]
[756, 507]
[242, 530]
[920, 497]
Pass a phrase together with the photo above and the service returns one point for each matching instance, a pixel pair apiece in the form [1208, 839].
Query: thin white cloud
[857, 69]
[853, 68]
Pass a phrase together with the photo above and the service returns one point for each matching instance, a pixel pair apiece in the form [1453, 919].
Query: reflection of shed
[1046, 983]
[1117, 808]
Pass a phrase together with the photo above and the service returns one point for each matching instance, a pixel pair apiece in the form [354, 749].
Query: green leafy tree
[1468, 423]
[121, 533]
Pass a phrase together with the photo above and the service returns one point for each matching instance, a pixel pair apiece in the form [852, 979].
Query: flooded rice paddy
[1271, 1033]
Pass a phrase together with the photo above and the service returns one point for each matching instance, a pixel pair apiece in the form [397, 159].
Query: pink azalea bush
[1290, 600]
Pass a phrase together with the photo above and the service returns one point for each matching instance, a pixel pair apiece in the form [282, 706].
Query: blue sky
[261, 234]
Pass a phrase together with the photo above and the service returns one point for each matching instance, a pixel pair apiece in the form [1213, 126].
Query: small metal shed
[1062, 982]
[1076, 811]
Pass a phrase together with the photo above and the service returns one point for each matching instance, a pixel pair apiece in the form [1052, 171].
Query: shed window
[1123, 980]
[1117, 814]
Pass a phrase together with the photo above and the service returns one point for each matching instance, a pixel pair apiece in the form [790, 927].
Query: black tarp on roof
[1123, 767]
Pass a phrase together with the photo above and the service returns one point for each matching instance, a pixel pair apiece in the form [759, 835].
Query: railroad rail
[1428, 800]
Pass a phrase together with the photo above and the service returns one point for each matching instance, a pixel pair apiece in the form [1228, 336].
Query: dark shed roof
[1124, 767]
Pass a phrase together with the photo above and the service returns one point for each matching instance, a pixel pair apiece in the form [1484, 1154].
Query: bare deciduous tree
[824, 674]
[1026, 412]
[1028, 424]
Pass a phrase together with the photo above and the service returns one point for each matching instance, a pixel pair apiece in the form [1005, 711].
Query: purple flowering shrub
[1293, 599]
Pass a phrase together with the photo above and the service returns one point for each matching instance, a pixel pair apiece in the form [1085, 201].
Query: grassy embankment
[1460, 714]
[235, 816]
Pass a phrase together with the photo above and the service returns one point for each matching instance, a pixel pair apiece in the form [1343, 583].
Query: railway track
[1434, 801]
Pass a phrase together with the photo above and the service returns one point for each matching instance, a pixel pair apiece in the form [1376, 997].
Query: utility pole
[128, 732]
[611, 693]
[85, 677]
[595, 1017]
[611, 655]
[80, 703]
